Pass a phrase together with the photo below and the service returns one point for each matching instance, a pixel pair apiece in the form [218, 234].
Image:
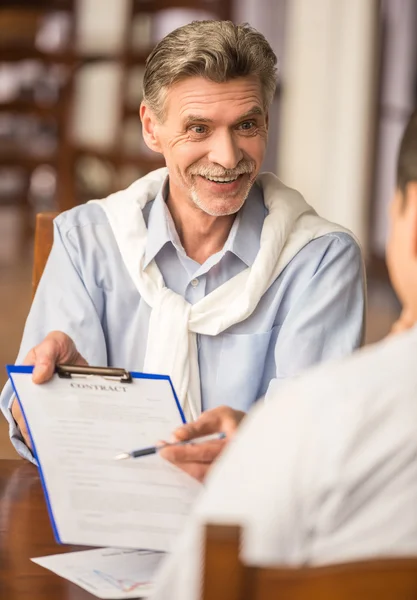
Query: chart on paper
[107, 572]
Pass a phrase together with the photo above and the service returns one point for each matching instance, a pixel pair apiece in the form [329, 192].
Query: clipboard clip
[67, 371]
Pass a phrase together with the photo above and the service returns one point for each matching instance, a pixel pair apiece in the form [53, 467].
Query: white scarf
[172, 347]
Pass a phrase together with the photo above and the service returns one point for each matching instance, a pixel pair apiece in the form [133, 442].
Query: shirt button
[195, 282]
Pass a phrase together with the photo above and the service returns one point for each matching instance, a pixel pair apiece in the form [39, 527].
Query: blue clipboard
[66, 371]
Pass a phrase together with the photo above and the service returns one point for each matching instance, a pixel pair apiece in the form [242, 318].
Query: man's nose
[225, 151]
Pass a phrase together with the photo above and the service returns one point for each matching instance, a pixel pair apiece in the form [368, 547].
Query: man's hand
[196, 459]
[56, 348]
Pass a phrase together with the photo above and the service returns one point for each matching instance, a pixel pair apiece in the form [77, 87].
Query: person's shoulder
[375, 375]
[335, 243]
[334, 254]
[81, 216]
[367, 396]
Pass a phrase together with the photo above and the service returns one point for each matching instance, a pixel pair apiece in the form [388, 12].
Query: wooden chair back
[44, 237]
[227, 578]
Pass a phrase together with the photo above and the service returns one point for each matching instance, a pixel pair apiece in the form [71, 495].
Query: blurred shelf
[64, 57]
[136, 57]
[32, 160]
[69, 58]
[121, 158]
[18, 53]
[28, 107]
[40, 4]
[221, 7]
[28, 160]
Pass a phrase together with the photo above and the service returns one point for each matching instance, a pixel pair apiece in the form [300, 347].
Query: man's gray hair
[216, 50]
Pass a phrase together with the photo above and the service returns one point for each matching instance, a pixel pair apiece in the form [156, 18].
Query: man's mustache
[243, 168]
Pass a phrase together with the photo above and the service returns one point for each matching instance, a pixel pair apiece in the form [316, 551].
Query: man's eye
[199, 129]
[247, 125]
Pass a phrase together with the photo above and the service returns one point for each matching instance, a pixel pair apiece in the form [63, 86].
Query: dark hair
[407, 156]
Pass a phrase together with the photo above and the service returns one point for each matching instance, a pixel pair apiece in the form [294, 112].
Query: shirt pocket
[246, 366]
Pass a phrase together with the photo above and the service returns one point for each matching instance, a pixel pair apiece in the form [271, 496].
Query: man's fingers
[46, 357]
[222, 419]
[196, 470]
[65, 349]
[199, 453]
[56, 348]
[196, 458]
[42, 359]
[30, 358]
[18, 417]
[25, 433]
[197, 429]
[209, 422]
[43, 372]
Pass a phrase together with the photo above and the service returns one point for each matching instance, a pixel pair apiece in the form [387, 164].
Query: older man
[221, 277]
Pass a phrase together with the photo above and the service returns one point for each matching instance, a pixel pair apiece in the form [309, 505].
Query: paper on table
[77, 427]
[107, 572]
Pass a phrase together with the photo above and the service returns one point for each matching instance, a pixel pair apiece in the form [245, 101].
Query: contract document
[107, 572]
[77, 426]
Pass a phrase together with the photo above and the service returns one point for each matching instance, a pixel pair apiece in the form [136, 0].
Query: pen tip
[122, 456]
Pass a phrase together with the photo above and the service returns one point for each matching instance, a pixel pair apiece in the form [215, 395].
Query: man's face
[213, 139]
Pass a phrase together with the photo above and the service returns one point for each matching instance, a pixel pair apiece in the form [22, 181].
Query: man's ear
[149, 128]
[410, 199]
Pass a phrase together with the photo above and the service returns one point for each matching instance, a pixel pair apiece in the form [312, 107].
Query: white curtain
[396, 103]
[328, 101]
[268, 17]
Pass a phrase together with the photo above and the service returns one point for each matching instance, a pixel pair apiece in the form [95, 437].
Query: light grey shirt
[324, 473]
[312, 312]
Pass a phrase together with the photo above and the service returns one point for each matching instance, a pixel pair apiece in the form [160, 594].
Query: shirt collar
[243, 240]
[247, 240]
[161, 228]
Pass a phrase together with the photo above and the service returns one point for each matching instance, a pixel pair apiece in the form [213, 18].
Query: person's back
[326, 472]
[321, 477]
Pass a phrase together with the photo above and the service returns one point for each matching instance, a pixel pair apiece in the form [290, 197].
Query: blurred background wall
[70, 88]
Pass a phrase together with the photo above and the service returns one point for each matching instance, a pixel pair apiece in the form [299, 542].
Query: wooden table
[26, 532]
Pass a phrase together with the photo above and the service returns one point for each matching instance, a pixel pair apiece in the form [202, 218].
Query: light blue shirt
[312, 312]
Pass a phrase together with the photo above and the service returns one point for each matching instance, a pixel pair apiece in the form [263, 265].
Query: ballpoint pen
[155, 449]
